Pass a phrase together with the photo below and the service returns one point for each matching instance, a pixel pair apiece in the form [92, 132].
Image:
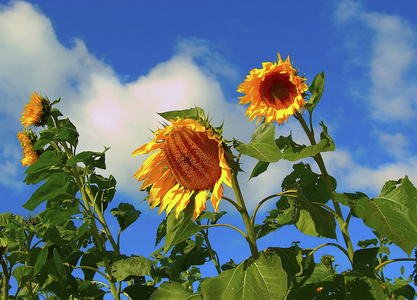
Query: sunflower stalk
[250, 232]
[339, 216]
[89, 202]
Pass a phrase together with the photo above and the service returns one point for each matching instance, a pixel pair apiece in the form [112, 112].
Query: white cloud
[353, 177]
[395, 144]
[390, 43]
[106, 111]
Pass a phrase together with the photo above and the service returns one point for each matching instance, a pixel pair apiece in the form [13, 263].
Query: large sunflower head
[189, 164]
[275, 91]
[37, 111]
[27, 139]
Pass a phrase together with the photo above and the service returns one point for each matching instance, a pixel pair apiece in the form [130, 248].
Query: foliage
[67, 251]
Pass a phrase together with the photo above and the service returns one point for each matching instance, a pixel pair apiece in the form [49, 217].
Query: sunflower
[27, 139]
[275, 91]
[37, 111]
[190, 162]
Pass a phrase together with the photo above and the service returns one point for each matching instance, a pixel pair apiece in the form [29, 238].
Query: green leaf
[161, 232]
[260, 279]
[22, 274]
[45, 137]
[173, 291]
[132, 266]
[291, 259]
[195, 113]
[314, 220]
[59, 265]
[324, 284]
[401, 288]
[312, 185]
[259, 168]
[213, 217]
[392, 214]
[49, 162]
[316, 89]
[126, 214]
[179, 230]
[68, 132]
[87, 290]
[139, 291]
[285, 213]
[56, 185]
[262, 145]
[367, 243]
[365, 261]
[41, 260]
[90, 159]
[293, 151]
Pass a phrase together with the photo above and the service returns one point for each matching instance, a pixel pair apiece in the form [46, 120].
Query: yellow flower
[36, 112]
[27, 140]
[275, 91]
[190, 162]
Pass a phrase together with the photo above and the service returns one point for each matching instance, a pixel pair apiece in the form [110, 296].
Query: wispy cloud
[388, 44]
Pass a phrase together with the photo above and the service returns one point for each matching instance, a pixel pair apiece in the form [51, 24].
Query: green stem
[393, 260]
[4, 281]
[230, 226]
[94, 269]
[211, 252]
[329, 244]
[250, 236]
[231, 202]
[86, 195]
[319, 160]
[266, 199]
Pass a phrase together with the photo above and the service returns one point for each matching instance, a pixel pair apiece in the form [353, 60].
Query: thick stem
[86, 196]
[319, 160]
[250, 236]
[4, 281]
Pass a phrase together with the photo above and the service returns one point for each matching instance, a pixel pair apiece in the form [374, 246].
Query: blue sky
[116, 65]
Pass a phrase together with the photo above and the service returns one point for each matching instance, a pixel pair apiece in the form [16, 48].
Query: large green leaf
[311, 184]
[322, 283]
[291, 259]
[126, 214]
[365, 261]
[263, 279]
[315, 220]
[90, 159]
[49, 162]
[262, 145]
[173, 291]
[22, 274]
[401, 288]
[293, 151]
[132, 266]
[56, 185]
[392, 214]
[139, 291]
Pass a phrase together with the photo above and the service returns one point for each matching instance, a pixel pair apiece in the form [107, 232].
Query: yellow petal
[200, 203]
[216, 195]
